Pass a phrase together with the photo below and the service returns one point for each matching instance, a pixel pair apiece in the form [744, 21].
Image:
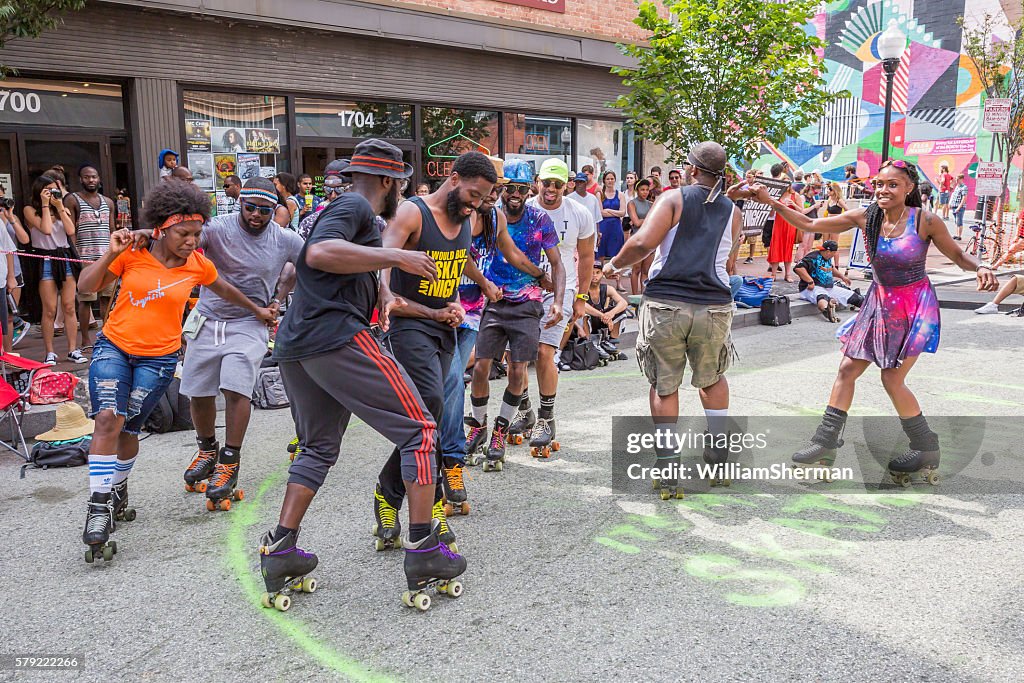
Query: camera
[56, 194]
[7, 202]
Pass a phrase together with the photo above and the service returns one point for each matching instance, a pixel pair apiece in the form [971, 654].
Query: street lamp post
[891, 45]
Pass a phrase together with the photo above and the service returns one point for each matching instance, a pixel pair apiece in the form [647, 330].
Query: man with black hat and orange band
[818, 274]
[421, 333]
[333, 368]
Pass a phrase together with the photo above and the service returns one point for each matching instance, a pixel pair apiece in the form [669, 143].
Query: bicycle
[983, 245]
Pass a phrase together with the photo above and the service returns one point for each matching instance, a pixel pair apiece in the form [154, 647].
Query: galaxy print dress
[900, 315]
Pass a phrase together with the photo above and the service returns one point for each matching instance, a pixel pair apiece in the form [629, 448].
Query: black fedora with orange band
[376, 157]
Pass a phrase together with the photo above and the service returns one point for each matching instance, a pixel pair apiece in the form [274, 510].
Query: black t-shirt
[328, 309]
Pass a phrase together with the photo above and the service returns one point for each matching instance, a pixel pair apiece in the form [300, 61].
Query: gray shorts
[514, 323]
[225, 355]
[552, 336]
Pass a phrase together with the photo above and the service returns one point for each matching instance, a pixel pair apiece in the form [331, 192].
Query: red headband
[175, 219]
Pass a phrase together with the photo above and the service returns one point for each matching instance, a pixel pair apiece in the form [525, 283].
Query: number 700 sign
[18, 102]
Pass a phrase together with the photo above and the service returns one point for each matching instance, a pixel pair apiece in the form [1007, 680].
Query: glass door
[39, 154]
[8, 165]
[315, 157]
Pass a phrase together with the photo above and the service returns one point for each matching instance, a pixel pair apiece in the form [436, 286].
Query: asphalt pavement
[568, 580]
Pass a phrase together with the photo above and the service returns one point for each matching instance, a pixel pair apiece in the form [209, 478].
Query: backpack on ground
[775, 311]
[47, 454]
[172, 413]
[754, 290]
[269, 392]
[580, 354]
[50, 387]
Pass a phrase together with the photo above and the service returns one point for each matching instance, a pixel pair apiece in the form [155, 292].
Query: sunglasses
[333, 189]
[516, 188]
[558, 184]
[261, 210]
[898, 163]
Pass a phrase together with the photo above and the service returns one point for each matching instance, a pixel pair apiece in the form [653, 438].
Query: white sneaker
[51, 359]
[987, 308]
[77, 357]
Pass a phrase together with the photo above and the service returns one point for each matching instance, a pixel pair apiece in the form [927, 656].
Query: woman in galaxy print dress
[900, 316]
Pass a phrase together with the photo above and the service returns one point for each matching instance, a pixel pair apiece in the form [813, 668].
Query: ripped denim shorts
[129, 385]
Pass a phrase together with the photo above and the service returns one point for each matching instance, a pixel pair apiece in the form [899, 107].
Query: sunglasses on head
[900, 164]
[558, 184]
[517, 188]
[262, 210]
[333, 189]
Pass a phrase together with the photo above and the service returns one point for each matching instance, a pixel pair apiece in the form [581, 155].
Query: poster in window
[228, 139]
[225, 165]
[248, 166]
[268, 171]
[201, 166]
[213, 203]
[262, 140]
[197, 135]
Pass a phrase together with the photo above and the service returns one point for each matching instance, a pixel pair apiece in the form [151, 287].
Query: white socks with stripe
[101, 472]
[122, 468]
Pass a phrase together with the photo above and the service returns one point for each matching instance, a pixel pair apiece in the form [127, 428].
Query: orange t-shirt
[146, 320]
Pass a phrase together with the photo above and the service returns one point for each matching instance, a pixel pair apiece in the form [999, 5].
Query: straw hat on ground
[71, 424]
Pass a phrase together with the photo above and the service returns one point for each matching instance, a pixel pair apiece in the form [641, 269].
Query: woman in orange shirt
[136, 353]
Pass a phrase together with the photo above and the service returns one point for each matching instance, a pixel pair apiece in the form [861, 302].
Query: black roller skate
[668, 486]
[447, 536]
[521, 427]
[387, 529]
[99, 522]
[827, 440]
[925, 463]
[454, 490]
[496, 449]
[430, 563]
[293, 448]
[285, 568]
[119, 499]
[476, 437]
[543, 441]
[612, 347]
[716, 457]
[200, 470]
[223, 487]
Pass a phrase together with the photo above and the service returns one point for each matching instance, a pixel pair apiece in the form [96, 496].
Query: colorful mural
[937, 95]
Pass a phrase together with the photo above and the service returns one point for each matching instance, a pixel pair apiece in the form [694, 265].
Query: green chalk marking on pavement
[239, 560]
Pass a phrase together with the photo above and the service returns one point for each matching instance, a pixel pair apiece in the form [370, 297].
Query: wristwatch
[583, 297]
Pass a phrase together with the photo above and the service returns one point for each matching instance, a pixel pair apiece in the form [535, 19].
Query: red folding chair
[14, 403]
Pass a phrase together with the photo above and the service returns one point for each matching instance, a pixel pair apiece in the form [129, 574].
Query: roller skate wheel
[108, 552]
[380, 545]
[933, 478]
[265, 601]
[664, 494]
[113, 547]
[533, 451]
[555, 445]
[464, 508]
[291, 457]
[453, 547]
[89, 557]
[517, 439]
[487, 466]
[499, 465]
[453, 589]
[190, 488]
[655, 484]
[308, 585]
[238, 495]
[224, 504]
[282, 603]
[201, 487]
[407, 598]
[209, 505]
[129, 515]
[448, 510]
[904, 480]
[546, 452]
[398, 542]
[421, 602]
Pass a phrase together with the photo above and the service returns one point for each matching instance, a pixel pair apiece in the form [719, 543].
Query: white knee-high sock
[101, 472]
[122, 468]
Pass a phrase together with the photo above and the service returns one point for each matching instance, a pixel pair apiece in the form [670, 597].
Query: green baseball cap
[554, 169]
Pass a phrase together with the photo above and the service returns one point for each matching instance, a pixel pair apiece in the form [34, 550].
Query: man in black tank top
[420, 315]
[686, 312]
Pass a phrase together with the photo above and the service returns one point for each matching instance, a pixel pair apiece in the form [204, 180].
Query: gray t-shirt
[252, 263]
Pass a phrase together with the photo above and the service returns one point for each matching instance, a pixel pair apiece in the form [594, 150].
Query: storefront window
[447, 133]
[333, 119]
[232, 134]
[605, 146]
[536, 138]
[74, 104]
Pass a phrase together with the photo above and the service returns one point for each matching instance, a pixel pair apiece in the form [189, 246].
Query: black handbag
[775, 311]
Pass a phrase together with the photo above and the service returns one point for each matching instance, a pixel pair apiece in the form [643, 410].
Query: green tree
[29, 18]
[1000, 66]
[733, 71]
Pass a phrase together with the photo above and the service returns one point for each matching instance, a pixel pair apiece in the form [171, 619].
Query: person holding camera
[50, 224]
[16, 234]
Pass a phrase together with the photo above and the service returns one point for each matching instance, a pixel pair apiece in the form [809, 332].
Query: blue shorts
[131, 386]
[943, 198]
[47, 272]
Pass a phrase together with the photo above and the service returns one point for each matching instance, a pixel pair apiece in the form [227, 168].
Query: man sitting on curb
[817, 282]
[1015, 285]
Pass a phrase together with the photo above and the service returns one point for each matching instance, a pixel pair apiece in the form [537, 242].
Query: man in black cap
[333, 367]
[817, 273]
[421, 333]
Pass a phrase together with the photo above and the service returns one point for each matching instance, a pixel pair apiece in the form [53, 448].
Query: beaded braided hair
[873, 215]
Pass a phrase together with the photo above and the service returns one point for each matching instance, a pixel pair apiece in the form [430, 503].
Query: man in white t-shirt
[576, 230]
[589, 201]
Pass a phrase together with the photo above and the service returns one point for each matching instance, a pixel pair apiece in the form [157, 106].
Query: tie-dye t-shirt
[470, 295]
[533, 233]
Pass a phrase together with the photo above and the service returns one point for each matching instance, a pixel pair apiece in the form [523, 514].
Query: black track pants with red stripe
[426, 358]
[364, 380]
